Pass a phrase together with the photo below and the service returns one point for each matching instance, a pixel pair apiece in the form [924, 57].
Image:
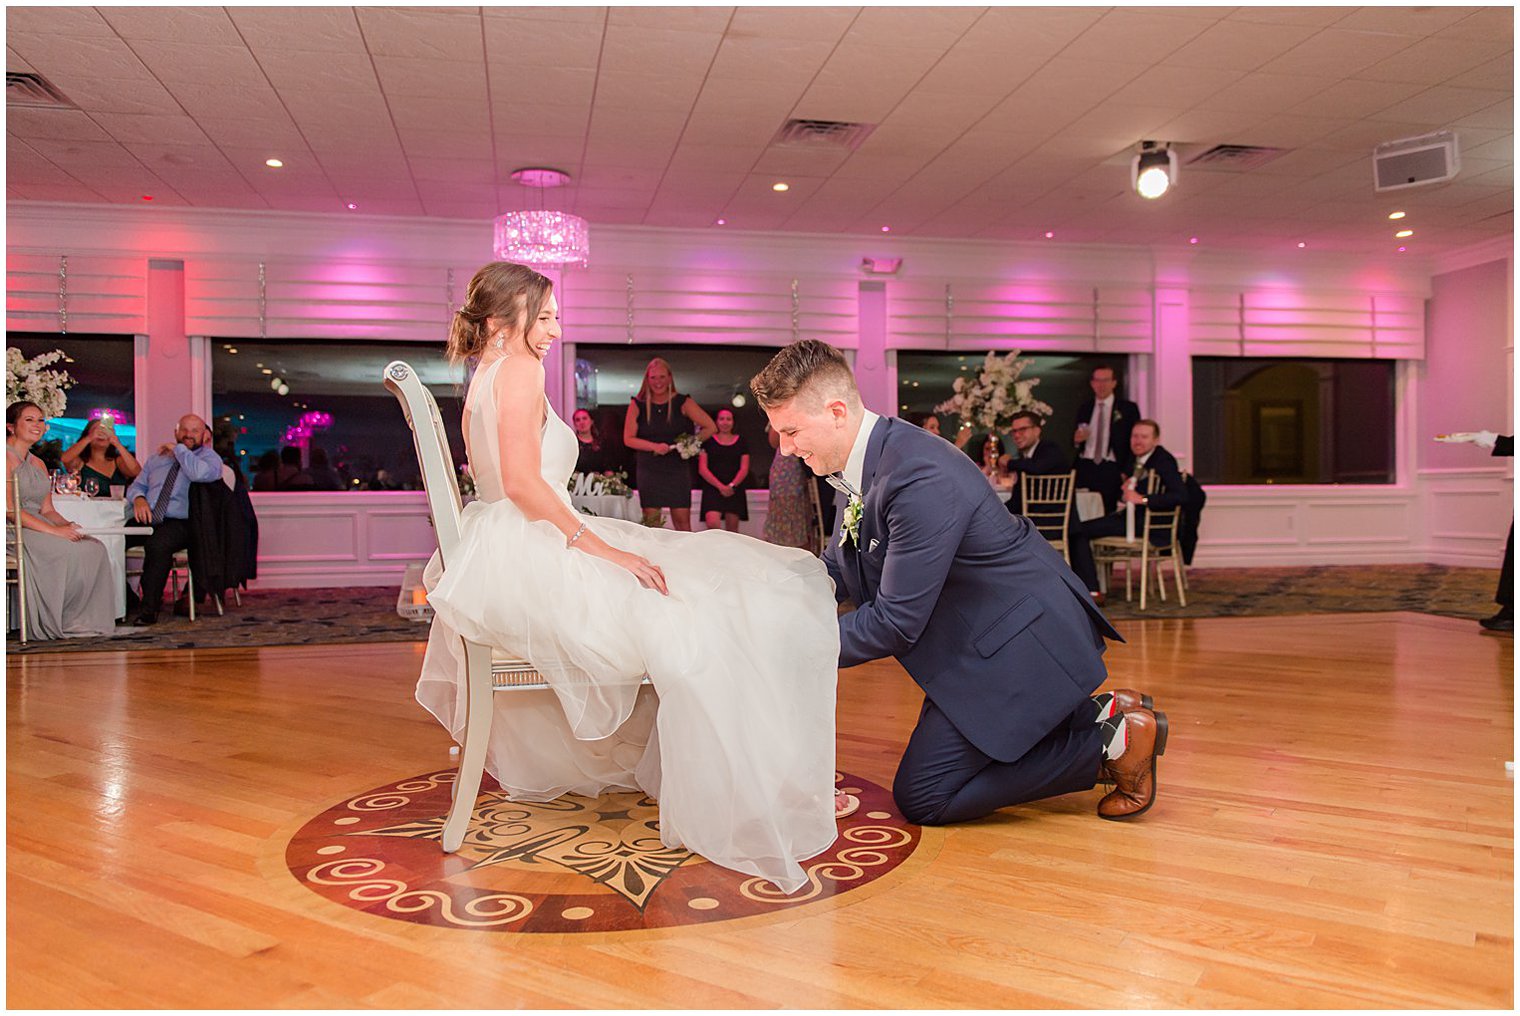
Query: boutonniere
[850, 531]
[1118, 416]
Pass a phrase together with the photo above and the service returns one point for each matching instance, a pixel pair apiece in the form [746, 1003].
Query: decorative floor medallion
[574, 864]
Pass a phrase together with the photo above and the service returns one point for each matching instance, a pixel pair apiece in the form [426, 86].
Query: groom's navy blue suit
[985, 617]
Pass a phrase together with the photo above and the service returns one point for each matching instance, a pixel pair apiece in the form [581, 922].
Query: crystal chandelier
[542, 237]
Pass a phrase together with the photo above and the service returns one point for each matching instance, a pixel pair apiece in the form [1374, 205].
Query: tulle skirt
[736, 737]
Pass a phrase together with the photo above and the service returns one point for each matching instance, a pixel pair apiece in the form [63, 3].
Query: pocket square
[872, 547]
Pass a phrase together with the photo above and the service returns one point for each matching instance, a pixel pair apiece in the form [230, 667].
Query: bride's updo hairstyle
[502, 290]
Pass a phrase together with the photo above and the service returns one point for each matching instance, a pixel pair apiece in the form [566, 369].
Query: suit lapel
[867, 474]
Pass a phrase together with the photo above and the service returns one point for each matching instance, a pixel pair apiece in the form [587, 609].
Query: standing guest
[724, 454]
[1102, 437]
[789, 516]
[323, 475]
[929, 422]
[658, 415]
[100, 456]
[266, 474]
[292, 476]
[160, 497]
[1036, 457]
[1147, 457]
[68, 575]
[1503, 446]
[974, 604]
[593, 458]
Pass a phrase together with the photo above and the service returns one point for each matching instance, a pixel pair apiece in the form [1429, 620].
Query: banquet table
[1089, 502]
[609, 506]
[104, 519]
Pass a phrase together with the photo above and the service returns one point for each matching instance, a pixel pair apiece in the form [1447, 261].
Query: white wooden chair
[1111, 550]
[1047, 502]
[487, 671]
[15, 560]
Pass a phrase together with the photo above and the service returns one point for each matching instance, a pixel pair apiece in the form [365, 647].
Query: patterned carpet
[308, 616]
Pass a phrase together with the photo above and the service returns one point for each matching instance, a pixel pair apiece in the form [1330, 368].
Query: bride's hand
[649, 575]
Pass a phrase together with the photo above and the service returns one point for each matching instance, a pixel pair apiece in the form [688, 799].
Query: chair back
[1160, 521]
[432, 444]
[1047, 502]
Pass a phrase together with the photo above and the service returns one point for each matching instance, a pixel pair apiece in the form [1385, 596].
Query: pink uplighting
[306, 426]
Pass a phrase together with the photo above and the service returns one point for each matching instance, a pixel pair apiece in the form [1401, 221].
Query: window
[103, 372]
[325, 400]
[926, 379]
[1293, 421]
[606, 377]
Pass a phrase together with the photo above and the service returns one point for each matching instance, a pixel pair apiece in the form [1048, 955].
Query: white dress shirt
[1102, 412]
[855, 465]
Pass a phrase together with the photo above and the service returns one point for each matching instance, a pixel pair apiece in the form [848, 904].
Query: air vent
[23, 88]
[1234, 157]
[822, 134]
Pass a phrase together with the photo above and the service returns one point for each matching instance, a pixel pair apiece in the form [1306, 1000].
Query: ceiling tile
[172, 63]
[1440, 105]
[105, 95]
[1434, 61]
[1337, 53]
[1499, 115]
[1497, 22]
[313, 76]
[1265, 90]
[439, 34]
[803, 23]
[463, 79]
[1135, 35]
[193, 25]
[931, 28]
[214, 99]
[84, 56]
[64, 22]
[148, 129]
[298, 29]
[57, 124]
[516, 44]
[652, 51]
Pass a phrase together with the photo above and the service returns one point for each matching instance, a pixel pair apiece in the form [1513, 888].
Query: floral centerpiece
[32, 381]
[998, 391]
[610, 484]
[688, 446]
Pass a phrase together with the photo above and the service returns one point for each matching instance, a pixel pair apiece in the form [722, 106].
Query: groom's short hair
[813, 369]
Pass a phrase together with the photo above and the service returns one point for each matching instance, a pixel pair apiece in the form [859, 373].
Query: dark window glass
[606, 377]
[334, 405]
[103, 373]
[1292, 421]
[924, 380]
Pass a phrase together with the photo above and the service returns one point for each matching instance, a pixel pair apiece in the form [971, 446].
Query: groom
[973, 602]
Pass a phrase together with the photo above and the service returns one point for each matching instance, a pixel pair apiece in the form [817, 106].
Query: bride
[739, 638]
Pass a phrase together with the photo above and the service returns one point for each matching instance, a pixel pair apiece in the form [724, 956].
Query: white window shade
[100, 294]
[1029, 316]
[602, 305]
[1296, 322]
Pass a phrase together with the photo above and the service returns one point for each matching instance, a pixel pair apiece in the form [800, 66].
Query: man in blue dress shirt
[160, 497]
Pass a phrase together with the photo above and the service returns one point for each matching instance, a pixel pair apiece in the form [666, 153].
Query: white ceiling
[996, 123]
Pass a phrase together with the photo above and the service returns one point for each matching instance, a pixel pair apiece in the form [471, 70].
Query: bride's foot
[845, 805]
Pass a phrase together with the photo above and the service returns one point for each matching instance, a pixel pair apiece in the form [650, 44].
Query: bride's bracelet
[578, 533]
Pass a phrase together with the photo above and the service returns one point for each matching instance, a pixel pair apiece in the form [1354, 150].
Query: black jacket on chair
[218, 539]
[1193, 501]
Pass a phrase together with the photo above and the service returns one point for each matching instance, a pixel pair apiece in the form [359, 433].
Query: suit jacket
[1124, 416]
[1047, 460]
[978, 608]
[218, 539]
[1172, 491]
[1504, 447]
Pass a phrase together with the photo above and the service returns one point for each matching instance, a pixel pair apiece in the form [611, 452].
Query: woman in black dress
[99, 455]
[658, 415]
[594, 457]
[723, 467]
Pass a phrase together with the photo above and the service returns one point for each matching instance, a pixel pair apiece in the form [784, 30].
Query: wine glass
[60, 481]
[89, 486]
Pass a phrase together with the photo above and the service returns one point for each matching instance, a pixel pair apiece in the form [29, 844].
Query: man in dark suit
[1102, 437]
[973, 602]
[1147, 456]
[1036, 457]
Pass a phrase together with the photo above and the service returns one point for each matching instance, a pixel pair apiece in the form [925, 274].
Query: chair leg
[472, 754]
[1129, 589]
[190, 591]
[237, 597]
[1160, 585]
[218, 601]
[1144, 575]
[1181, 585]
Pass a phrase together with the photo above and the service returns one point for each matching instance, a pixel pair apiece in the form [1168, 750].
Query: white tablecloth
[104, 519]
[609, 506]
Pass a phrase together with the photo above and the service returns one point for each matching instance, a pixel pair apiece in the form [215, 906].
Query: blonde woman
[658, 415]
[737, 637]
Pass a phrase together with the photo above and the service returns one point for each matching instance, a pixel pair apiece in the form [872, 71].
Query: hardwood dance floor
[1335, 829]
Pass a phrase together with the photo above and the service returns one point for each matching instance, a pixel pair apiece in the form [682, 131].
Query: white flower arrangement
[688, 446]
[31, 381]
[989, 401]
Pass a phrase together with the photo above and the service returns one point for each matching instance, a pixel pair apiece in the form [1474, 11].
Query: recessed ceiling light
[273, 163]
[1192, 239]
[886, 229]
[232, 350]
[1395, 215]
[1301, 244]
[722, 222]
[266, 370]
[352, 207]
[1403, 233]
[1050, 235]
[1403, 249]
[147, 197]
[779, 186]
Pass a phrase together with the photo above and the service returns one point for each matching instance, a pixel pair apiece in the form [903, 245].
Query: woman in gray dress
[69, 583]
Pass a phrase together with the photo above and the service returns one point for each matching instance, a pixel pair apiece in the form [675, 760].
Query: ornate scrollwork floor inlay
[573, 864]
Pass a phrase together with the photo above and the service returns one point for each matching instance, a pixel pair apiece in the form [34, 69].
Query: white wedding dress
[736, 737]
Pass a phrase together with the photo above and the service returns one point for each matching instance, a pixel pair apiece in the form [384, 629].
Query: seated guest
[100, 456]
[68, 574]
[323, 475]
[929, 422]
[160, 497]
[1149, 457]
[1036, 457]
[593, 457]
[266, 475]
[291, 476]
[1102, 437]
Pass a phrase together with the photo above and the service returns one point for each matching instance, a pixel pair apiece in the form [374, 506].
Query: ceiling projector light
[1153, 171]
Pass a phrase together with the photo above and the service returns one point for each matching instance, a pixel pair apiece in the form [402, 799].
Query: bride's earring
[501, 340]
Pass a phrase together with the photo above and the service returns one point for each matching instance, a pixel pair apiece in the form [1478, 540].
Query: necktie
[1099, 446]
[839, 483]
[161, 507]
